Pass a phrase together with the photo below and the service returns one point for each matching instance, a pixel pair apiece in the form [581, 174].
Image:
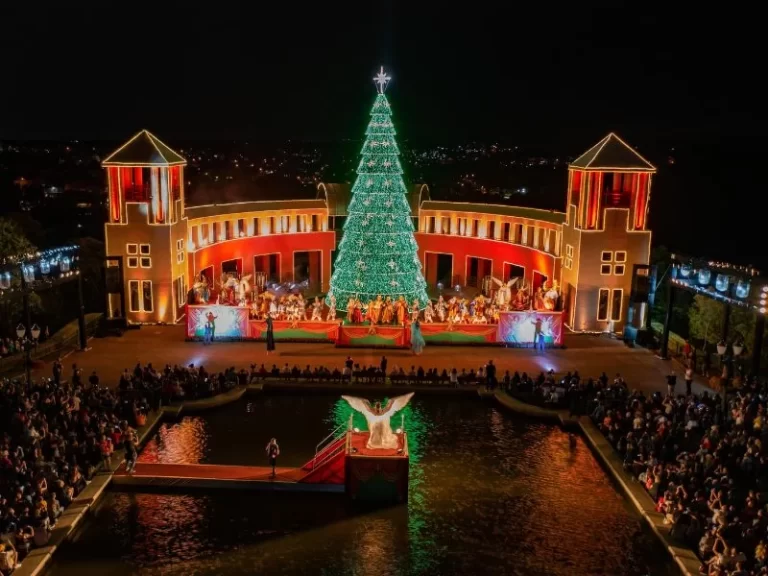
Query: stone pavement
[160, 345]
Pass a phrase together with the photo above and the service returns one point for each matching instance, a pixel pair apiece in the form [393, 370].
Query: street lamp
[34, 333]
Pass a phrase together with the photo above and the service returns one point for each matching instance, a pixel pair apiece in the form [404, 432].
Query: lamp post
[28, 343]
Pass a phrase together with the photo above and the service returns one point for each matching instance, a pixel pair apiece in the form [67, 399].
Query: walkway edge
[39, 559]
[684, 557]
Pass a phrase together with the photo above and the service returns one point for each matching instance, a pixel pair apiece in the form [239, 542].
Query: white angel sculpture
[244, 288]
[380, 432]
[504, 293]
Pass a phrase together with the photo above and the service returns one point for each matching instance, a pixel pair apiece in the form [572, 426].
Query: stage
[515, 329]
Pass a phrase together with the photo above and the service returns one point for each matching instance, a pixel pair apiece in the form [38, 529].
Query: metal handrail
[328, 456]
[324, 443]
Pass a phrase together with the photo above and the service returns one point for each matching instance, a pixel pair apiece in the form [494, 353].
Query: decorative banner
[366, 335]
[524, 328]
[300, 330]
[229, 321]
[445, 333]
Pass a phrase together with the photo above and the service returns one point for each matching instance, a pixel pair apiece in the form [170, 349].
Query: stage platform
[515, 329]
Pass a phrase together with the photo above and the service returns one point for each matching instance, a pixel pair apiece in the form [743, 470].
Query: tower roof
[144, 149]
[614, 155]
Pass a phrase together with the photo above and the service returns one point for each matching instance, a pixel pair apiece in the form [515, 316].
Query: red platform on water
[325, 472]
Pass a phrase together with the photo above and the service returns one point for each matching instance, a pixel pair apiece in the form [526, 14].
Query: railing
[326, 442]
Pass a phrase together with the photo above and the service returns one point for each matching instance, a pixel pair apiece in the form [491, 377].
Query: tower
[605, 233]
[146, 228]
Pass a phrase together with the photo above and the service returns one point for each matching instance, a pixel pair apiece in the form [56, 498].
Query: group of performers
[514, 295]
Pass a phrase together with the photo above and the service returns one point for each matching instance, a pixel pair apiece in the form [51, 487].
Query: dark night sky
[545, 77]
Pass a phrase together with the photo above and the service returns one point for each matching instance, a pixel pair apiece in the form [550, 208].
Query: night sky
[545, 78]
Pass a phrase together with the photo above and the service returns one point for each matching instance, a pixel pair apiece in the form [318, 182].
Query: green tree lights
[378, 253]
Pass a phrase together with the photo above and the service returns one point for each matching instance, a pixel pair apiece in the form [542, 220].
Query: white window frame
[149, 263]
[609, 258]
[619, 269]
[132, 249]
[621, 304]
[605, 269]
[141, 250]
[140, 291]
[607, 308]
[135, 260]
[621, 259]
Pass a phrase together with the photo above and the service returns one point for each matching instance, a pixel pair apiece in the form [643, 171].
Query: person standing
[417, 340]
[688, 380]
[383, 365]
[57, 370]
[490, 375]
[671, 381]
[129, 445]
[270, 337]
[273, 451]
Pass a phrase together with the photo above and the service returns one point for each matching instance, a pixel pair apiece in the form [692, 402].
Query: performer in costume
[270, 337]
[388, 312]
[317, 310]
[402, 310]
[377, 306]
[370, 313]
[441, 308]
[351, 310]
[415, 310]
[357, 313]
[417, 340]
[332, 309]
[429, 312]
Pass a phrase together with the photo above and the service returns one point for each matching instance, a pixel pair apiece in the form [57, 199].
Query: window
[606, 256]
[492, 230]
[144, 249]
[256, 227]
[445, 227]
[140, 295]
[602, 304]
[618, 270]
[616, 302]
[313, 223]
[217, 233]
[620, 256]
[133, 296]
[131, 248]
[227, 230]
[146, 296]
[430, 224]
[507, 234]
[271, 224]
[605, 269]
[179, 251]
[181, 291]
[133, 262]
[146, 262]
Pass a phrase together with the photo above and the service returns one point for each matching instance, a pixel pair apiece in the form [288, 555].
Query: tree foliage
[13, 242]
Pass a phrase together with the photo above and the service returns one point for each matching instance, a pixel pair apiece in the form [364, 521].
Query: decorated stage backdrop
[230, 321]
[522, 328]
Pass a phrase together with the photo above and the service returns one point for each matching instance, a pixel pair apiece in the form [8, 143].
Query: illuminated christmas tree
[378, 253]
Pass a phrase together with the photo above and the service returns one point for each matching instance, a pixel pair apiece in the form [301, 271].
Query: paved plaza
[161, 345]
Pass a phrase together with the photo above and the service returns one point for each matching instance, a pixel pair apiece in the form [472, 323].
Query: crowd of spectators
[702, 462]
[57, 433]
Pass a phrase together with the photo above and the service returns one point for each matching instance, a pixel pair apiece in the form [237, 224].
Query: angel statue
[380, 432]
[243, 289]
[504, 293]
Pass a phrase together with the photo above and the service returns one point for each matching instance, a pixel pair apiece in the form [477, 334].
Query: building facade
[168, 240]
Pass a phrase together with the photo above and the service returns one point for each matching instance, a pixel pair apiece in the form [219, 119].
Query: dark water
[490, 494]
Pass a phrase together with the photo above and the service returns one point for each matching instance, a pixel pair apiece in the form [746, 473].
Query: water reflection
[488, 493]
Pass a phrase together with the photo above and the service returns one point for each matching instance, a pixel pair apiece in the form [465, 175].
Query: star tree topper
[381, 80]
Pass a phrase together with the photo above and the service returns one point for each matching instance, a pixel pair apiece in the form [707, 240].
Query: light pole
[34, 334]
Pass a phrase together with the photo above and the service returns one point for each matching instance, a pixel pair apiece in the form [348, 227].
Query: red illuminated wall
[283, 244]
[499, 252]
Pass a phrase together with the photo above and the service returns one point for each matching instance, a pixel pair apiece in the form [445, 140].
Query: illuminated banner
[298, 331]
[229, 321]
[524, 328]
